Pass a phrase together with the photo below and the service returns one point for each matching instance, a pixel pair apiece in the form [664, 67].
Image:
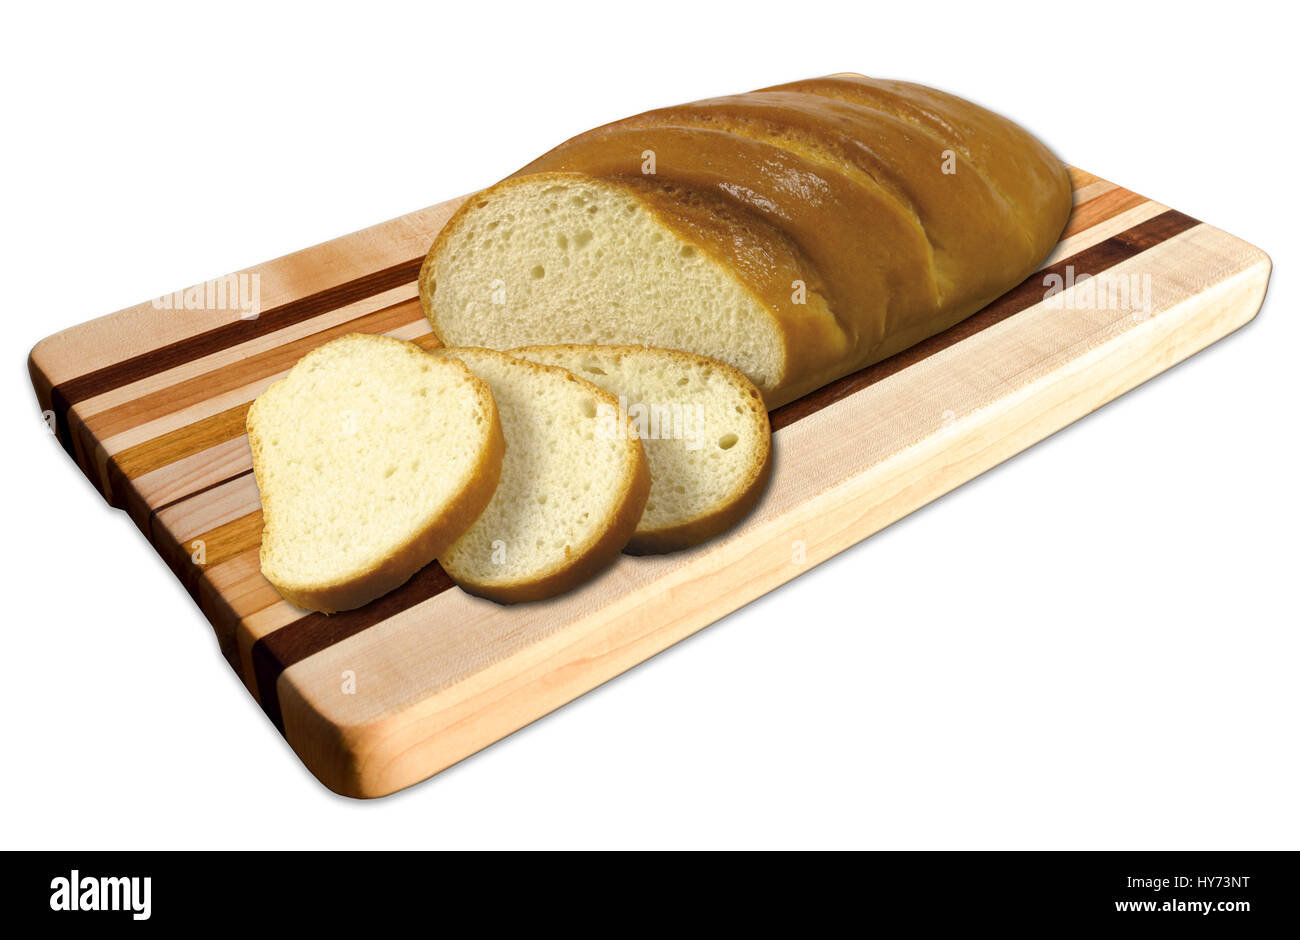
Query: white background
[1092, 646]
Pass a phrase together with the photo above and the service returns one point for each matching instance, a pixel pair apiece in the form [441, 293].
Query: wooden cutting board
[150, 402]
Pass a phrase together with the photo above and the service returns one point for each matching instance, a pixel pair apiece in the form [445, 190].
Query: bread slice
[704, 429]
[372, 457]
[570, 493]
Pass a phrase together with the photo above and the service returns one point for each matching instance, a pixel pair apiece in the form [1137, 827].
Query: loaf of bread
[702, 424]
[372, 457]
[798, 233]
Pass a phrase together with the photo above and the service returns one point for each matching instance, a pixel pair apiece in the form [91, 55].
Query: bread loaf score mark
[315, 633]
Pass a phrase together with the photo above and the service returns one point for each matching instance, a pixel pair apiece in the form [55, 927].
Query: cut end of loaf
[567, 258]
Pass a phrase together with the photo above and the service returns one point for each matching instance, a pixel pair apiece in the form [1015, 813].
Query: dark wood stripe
[105, 379]
[62, 433]
[314, 633]
[199, 492]
[1093, 260]
[294, 642]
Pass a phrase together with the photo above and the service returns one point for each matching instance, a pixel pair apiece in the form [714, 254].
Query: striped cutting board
[150, 402]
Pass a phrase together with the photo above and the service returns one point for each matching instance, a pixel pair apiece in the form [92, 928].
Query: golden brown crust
[586, 561]
[396, 569]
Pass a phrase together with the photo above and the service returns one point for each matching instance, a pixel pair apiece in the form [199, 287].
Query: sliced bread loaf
[372, 457]
[570, 496]
[702, 424]
[799, 232]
